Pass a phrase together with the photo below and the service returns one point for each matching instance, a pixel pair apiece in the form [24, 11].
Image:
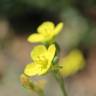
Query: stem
[63, 87]
[60, 81]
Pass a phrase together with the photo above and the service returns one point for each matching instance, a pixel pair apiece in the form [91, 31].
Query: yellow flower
[72, 63]
[42, 60]
[46, 32]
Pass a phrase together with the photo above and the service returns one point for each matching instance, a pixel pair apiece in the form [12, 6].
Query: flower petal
[44, 68]
[36, 38]
[51, 52]
[37, 51]
[31, 69]
[58, 28]
[72, 63]
[46, 28]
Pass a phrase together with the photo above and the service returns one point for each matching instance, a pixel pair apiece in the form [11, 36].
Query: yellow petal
[35, 38]
[51, 52]
[46, 28]
[44, 68]
[37, 51]
[58, 28]
[72, 63]
[31, 69]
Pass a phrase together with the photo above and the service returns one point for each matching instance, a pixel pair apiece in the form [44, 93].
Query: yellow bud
[72, 63]
[24, 79]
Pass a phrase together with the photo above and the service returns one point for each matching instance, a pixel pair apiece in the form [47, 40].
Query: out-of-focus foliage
[10, 7]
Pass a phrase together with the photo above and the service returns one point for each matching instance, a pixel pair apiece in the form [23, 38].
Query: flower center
[42, 61]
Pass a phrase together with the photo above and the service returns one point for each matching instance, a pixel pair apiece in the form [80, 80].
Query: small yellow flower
[46, 32]
[42, 60]
[72, 63]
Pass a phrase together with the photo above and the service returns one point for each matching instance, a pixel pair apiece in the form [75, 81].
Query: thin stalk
[63, 87]
[60, 81]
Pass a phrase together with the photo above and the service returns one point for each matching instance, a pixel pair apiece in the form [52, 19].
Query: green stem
[63, 87]
[60, 81]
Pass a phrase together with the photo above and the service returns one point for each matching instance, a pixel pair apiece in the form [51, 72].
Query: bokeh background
[20, 18]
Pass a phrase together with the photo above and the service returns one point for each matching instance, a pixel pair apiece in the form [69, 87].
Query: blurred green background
[20, 18]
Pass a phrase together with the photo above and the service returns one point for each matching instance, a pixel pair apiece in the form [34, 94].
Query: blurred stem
[60, 81]
[57, 76]
[63, 87]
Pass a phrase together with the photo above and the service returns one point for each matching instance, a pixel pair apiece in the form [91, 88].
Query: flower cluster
[44, 55]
